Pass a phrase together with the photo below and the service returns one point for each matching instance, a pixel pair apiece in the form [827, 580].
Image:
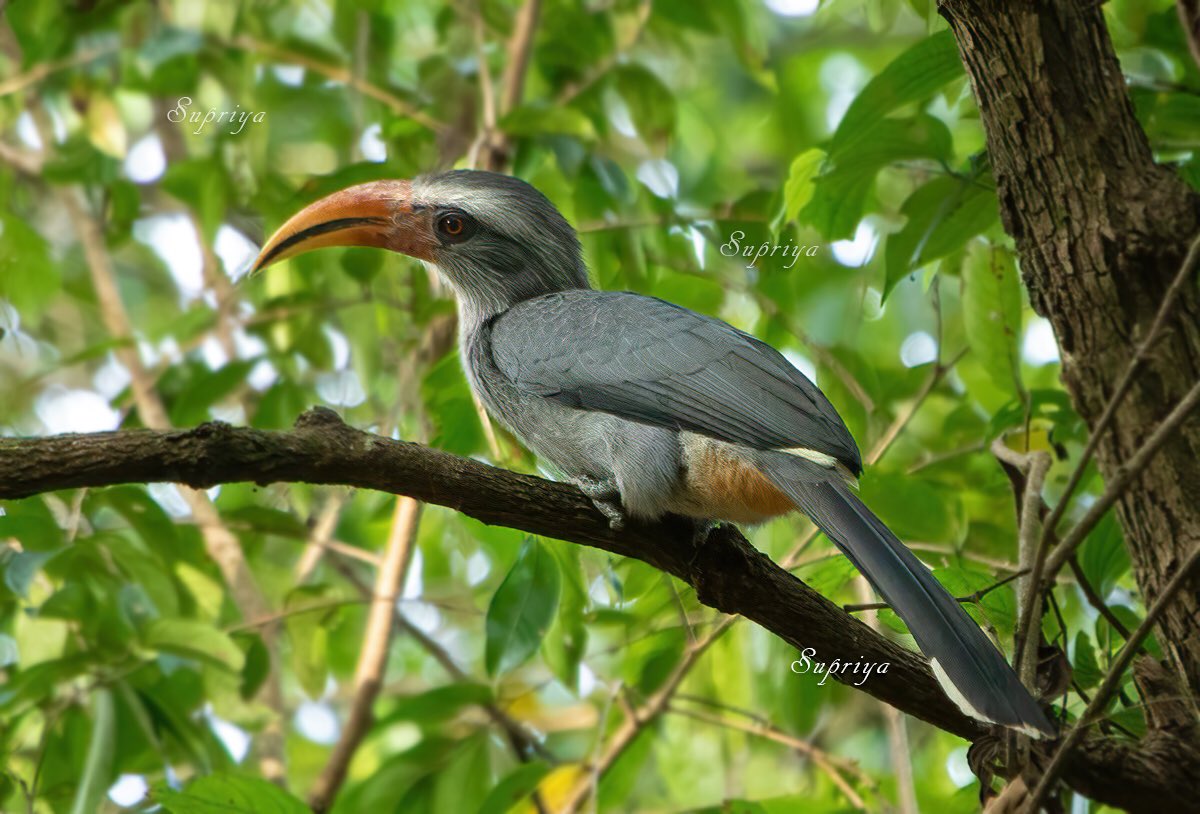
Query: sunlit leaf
[992, 312]
[225, 793]
[522, 608]
[194, 639]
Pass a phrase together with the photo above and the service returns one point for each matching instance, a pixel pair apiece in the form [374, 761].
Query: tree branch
[727, 572]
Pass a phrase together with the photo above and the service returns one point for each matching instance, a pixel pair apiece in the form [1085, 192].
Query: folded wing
[654, 362]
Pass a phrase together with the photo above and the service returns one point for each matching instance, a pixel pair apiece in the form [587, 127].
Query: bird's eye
[455, 227]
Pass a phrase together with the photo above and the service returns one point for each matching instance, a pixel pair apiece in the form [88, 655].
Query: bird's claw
[703, 529]
[606, 497]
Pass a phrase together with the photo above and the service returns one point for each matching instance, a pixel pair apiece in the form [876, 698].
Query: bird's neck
[476, 306]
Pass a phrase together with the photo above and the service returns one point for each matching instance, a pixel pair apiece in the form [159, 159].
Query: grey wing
[657, 363]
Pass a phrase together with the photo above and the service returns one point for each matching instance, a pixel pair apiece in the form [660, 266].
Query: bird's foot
[606, 497]
[702, 530]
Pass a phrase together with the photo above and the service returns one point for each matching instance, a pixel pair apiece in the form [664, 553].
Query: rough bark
[1101, 230]
[727, 572]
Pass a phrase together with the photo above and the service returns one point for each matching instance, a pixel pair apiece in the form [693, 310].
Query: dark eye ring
[455, 227]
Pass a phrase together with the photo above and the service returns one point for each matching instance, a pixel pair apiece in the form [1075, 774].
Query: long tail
[970, 669]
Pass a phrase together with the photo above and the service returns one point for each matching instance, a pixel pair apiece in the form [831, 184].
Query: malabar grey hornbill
[649, 407]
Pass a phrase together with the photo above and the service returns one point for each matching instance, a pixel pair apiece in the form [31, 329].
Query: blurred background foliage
[664, 130]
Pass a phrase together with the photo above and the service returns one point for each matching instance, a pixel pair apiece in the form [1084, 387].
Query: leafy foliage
[127, 658]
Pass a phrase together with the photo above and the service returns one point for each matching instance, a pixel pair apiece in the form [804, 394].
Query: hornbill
[648, 407]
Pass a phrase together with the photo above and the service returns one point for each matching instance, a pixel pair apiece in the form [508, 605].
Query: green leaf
[541, 120]
[257, 663]
[514, 787]
[1103, 557]
[194, 639]
[522, 608]
[647, 661]
[1174, 121]
[207, 389]
[308, 632]
[800, 185]
[201, 184]
[144, 514]
[841, 193]
[1087, 672]
[462, 784]
[992, 312]
[32, 524]
[226, 793]
[942, 216]
[566, 642]
[916, 74]
[10, 653]
[28, 277]
[97, 767]
[451, 408]
[21, 567]
[827, 576]
[913, 508]
[438, 704]
[651, 104]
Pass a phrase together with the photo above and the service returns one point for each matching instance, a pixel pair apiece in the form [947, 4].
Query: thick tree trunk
[1101, 231]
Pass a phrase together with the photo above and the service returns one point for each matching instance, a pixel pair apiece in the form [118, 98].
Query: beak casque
[379, 214]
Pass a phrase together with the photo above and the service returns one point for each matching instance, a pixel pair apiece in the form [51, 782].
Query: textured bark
[727, 572]
[1101, 231]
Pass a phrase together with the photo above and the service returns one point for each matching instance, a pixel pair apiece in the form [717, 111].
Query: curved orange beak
[378, 214]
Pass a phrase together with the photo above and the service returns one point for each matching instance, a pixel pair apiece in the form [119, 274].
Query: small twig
[597, 71]
[487, 93]
[897, 426]
[951, 551]
[1034, 466]
[344, 75]
[644, 714]
[829, 764]
[321, 535]
[43, 69]
[974, 597]
[1189, 19]
[368, 676]
[279, 616]
[523, 745]
[1112, 680]
[520, 47]
[491, 148]
[942, 457]
[25, 161]
[1094, 599]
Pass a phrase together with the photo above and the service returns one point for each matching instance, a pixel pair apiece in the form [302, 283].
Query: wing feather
[657, 363]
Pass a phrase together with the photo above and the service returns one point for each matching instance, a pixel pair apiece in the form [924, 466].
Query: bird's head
[495, 239]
